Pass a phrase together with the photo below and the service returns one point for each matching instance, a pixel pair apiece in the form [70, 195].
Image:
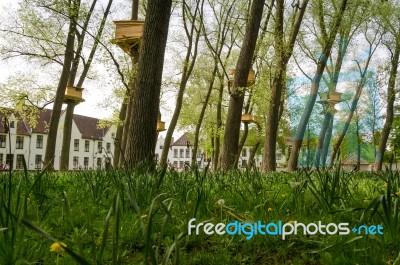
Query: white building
[91, 147]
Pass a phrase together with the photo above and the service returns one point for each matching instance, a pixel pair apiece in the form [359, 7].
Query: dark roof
[88, 127]
[21, 125]
[43, 120]
[182, 141]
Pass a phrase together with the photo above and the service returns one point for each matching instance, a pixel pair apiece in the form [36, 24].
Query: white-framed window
[99, 147]
[244, 152]
[86, 162]
[181, 152]
[76, 144]
[98, 163]
[38, 162]
[2, 141]
[75, 162]
[20, 162]
[87, 145]
[187, 153]
[175, 153]
[19, 143]
[39, 141]
[108, 147]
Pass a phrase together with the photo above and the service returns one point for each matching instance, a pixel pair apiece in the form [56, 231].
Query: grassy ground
[107, 217]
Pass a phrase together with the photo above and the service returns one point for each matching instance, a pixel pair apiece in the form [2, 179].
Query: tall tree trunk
[123, 127]
[61, 87]
[66, 144]
[74, 69]
[327, 141]
[141, 137]
[219, 127]
[389, 107]
[193, 36]
[232, 127]
[283, 52]
[325, 125]
[298, 139]
[201, 117]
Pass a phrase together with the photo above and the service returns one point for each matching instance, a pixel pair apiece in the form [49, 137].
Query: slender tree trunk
[193, 36]
[283, 52]
[146, 96]
[327, 141]
[201, 116]
[118, 134]
[321, 138]
[66, 144]
[219, 127]
[61, 87]
[122, 129]
[298, 139]
[389, 108]
[232, 127]
[74, 69]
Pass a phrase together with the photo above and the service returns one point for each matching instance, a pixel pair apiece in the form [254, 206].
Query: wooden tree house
[250, 77]
[73, 94]
[247, 118]
[128, 33]
[160, 126]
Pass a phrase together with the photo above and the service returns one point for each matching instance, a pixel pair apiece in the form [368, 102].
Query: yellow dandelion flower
[270, 210]
[291, 222]
[57, 247]
[143, 216]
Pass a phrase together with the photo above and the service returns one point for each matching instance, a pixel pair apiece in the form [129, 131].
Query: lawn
[117, 217]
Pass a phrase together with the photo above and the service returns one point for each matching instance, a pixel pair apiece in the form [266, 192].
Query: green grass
[115, 217]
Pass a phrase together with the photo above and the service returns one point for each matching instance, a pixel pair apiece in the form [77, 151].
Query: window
[38, 162]
[108, 147]
[244, 163]
[20, 162]
[20, 142]
[86, 162]
[161, 147]
[175, 164]
[98, 163]
[244, 152]
[75, 162]
[76, 145]
[39, 141]
[99, 147]
[2, 141]
[107, 163]
[1, 161]
[175, 153]
[181, 153]
[278, 156]
[187, 153]
[181, 164]
[12, 124]
[87, 145]
[10, 160]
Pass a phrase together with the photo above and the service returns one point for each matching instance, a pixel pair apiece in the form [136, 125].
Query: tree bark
[232, 127]
[74, 69]
[141, 137]
[193, 36]
[389, 108]
[283, 52]
[66, 144]
[61, 87]
[298, 139]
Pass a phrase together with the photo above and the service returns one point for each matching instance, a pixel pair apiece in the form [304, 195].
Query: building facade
[91, 147]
